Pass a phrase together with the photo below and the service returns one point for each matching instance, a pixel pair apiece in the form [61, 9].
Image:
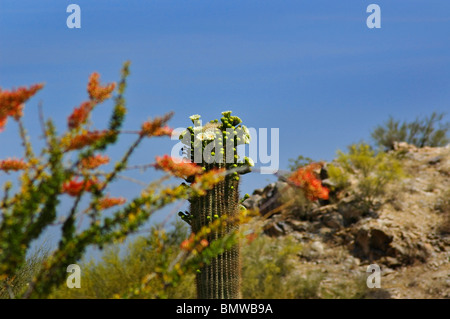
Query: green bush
[372, 171]
[339, 177]
[428, 131]
[271, 269]
[268, 271]
[118, 275]
[268, 266]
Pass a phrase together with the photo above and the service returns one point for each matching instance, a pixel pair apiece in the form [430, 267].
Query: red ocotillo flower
[149, 129]
[80, 115]
[92, 162]
[192, 243]
[108, 202]
[163, 131]
[178, 168]
[12, 102]
[307, 180]
[157, 126]
[84, 139]
[186, 245]
[204, 243]
[251, 237]
[12, 164]
[97, 92]
[75, 187]
[3, 121]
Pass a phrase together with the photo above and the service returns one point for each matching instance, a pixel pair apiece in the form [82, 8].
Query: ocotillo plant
[69, 167]
[214, 146]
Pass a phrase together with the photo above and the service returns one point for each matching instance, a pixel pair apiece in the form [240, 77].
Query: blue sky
[311, 68]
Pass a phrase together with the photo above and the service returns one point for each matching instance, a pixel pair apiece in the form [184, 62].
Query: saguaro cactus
[213, 146]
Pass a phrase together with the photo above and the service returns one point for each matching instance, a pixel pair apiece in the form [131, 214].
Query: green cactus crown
[215, 143]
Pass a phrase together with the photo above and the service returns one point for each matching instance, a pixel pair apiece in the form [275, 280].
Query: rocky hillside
[407, 235]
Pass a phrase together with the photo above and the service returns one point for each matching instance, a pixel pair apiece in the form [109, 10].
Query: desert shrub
[372, 172]
[269, 270]
[428, 131]
[272, 270]
[119, 273]
[295, 203]
[339, 177]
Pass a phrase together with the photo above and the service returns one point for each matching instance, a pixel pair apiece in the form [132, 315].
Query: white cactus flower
[247, 137]
[201, 136]
[198, 130]
[209, 135]
[194, 117]
[249, 161]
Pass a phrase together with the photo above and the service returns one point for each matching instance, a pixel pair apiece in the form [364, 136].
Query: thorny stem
[25, 141]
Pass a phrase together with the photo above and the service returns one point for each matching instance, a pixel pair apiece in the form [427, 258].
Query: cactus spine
[216, 143]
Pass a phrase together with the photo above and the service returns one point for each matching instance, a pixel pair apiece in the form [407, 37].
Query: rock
[380, 240]
[350, 262]
[344, 238]
[258, 191]
[333, 220]
[328, 183]
[269, 190]
[299, 226]
[252, 202]
[274, 229]
[272, 197]
[316, 226]
[317, 246]
[280, 186]
[391, 262]
[404, 146]
[435, 160]
[323, 173]
[372, 243]
[422, 251]
[326, 232]
[397, 250]
[362, 243]
[386, 271]
[350, 211]
[391, 247]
